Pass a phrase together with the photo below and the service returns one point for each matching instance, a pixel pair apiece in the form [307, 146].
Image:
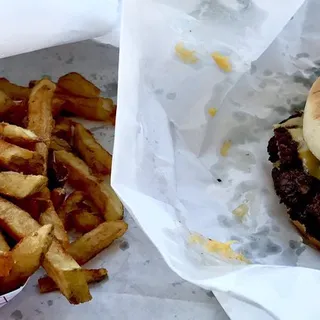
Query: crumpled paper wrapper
[168, 168]
[31, 25]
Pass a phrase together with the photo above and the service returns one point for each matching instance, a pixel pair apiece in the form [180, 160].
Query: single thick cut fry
[101, 194]
[99, 109]
[19, 186]
[95, 156]
[14, 91]
[76, 84]
[40, 119]
[93, 242]
[19, 159]
[59, 265]
[16, 134]
[67, 274]
[46, 284]
[27, 256]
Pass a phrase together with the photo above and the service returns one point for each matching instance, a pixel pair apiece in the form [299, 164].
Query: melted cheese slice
[310, 163]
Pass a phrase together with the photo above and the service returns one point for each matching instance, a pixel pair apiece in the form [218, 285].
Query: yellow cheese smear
[221, 248]
[241, 211]
[224, 151]
[212, 112]
[187, 56]
[223, 62]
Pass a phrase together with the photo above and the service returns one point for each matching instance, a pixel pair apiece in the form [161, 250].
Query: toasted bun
[311, 120]
[313, 242]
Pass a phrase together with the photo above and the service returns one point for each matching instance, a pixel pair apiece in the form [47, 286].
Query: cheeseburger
[294, 151]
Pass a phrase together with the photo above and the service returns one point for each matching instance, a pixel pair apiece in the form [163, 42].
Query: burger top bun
[311, 120]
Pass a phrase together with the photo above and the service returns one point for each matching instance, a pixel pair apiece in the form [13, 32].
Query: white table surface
[140, 285]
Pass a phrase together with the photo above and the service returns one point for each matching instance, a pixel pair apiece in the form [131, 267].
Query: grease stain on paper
[124, 245]
[222, 249]
[16, 315]
[171, 95]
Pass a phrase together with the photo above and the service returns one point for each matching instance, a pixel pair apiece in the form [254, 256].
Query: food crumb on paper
[222, 61]
[222, 248]
[187, 56]
[212, 112]
[224, 151]
[241, 211]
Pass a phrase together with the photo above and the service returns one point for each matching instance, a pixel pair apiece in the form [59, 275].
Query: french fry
[57, 173]
[6, 103]
[57, 197]
[34, 205]
[67, 274]
[19, 186]
[84, 221]
[101, 194]
[16, 134]
[59, 265]
[93, 242]
[63, 129]
[51, 217]
[57, 103]
[57, 144]
[40, 119]
[36, 153]
[15, 114]
[46, 284]
[4, 247]
[99, 109]
[14, 91]
[76, 84]
[19, 159]
[57, 106]
[70, 204]
[6, 264]
[95, 156]
[27, 256]
[6, 260]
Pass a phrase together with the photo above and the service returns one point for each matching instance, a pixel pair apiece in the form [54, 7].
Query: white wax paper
[132, 290]
[167, 166]
[35, 24]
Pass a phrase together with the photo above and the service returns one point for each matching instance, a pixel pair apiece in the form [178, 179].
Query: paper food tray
[167, 164]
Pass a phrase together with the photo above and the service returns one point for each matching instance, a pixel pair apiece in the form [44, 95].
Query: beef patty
[296, 174]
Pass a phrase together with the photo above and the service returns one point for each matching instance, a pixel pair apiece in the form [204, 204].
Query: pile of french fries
[43, 152]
